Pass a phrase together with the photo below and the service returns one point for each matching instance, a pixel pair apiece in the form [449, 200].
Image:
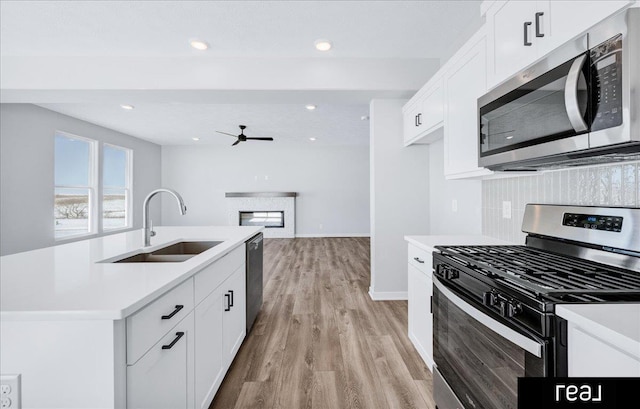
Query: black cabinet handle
[431, 304]
[418, 260]
[231, 301]
[176, 339]
[538, 15]
[168, 317]
[419, 119]
[415, 120]
[526, 33]
[228, 307]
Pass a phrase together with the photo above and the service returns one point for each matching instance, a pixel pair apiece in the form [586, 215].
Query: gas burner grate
[547, 273]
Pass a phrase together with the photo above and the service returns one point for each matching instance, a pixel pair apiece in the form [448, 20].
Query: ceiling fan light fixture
[199, 45]
[323, 45]
[310, 107]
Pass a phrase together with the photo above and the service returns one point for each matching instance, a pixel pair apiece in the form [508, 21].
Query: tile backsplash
[608, 185]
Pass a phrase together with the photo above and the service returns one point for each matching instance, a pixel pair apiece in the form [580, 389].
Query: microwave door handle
[571, 95]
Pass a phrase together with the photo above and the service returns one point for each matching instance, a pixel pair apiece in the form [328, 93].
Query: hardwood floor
[320, 342]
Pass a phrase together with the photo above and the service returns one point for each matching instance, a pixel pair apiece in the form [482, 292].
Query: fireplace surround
[274, 210]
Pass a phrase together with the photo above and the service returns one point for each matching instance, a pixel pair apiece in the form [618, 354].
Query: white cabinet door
[234, 316]
[420, 314]
[411, 115]
[506, 37]
[465, 81]
[163, 377]
[432, 109]
[210, 366]
[567, 19]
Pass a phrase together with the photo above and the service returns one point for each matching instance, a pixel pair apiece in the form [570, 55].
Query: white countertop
[68, 282]
[617, 324]
[428, 243]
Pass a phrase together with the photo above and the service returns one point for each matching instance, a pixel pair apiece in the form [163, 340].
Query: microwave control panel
[592, 221]
[606, 71]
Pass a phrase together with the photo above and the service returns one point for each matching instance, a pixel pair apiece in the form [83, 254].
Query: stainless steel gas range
[494, 306]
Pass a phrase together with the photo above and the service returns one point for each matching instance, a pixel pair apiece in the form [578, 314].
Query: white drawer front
[147, 326]
[420, 259]
[212, 276]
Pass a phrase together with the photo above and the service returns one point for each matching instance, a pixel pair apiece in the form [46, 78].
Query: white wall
[27, 180]
[468, 194]
[332, 183]
[399, 198]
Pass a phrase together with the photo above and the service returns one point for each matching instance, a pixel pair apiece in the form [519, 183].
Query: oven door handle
[517, 338]
[571, 95]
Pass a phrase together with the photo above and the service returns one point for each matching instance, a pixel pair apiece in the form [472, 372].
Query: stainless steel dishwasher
[254, 279]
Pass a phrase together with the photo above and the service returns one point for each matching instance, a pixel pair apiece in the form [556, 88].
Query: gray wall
[399, 198]
[467, 193]
[610, 185]
[26, 177]
[332, 182]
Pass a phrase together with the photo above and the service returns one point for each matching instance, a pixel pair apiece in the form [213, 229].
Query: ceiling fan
[242, 137]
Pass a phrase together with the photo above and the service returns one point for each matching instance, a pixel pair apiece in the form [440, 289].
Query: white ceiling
[374, 42]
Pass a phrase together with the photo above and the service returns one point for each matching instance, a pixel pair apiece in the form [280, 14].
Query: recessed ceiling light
[127, 107]
[510, 137]
[199, 45]
[364, 117]
[322, 45]
[312, 139]
[310, 107]
[196, 139]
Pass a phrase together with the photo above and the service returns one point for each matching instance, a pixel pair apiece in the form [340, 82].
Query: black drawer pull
[228, 307]
[418, 260]
[168, 317]
[231, 301]
[176, 339]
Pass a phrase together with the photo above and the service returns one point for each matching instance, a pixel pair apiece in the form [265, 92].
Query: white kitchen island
[88, 334]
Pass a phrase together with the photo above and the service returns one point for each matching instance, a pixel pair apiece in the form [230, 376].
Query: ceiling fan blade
[235, 143]
[235, 136]
[261, 139]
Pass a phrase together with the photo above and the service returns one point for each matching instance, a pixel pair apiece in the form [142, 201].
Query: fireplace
[276, 211]
[269, 219]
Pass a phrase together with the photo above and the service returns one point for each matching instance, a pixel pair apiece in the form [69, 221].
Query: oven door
[479, 359]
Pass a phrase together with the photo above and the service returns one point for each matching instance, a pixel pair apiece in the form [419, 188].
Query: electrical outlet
[454, 205]
[10, 391]
[506, 209]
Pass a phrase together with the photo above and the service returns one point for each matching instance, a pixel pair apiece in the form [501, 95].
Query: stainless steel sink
[173, 253]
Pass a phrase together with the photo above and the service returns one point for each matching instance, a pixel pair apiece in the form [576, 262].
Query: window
[116, 187]
[79, 198]
[75, 180]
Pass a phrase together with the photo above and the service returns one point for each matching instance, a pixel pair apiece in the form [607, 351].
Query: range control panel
[592, 221]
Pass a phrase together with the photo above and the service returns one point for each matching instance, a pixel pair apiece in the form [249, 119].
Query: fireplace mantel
[261, 194]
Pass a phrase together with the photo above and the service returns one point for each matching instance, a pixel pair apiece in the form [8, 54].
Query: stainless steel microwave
[579, 105]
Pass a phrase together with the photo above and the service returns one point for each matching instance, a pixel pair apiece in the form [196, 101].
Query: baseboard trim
[388, 295]
[302, 236]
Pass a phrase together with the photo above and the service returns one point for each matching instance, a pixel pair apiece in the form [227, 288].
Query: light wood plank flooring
[320, 342]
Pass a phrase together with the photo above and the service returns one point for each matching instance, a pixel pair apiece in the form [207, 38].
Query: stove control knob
[447, 272]
[510, 309]
[489, 298]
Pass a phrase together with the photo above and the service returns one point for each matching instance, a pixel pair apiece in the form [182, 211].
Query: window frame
[128, 189]
[92, 222]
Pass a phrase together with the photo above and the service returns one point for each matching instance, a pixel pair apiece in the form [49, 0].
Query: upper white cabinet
[423, 114]
[465, 82]
[521, 32]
